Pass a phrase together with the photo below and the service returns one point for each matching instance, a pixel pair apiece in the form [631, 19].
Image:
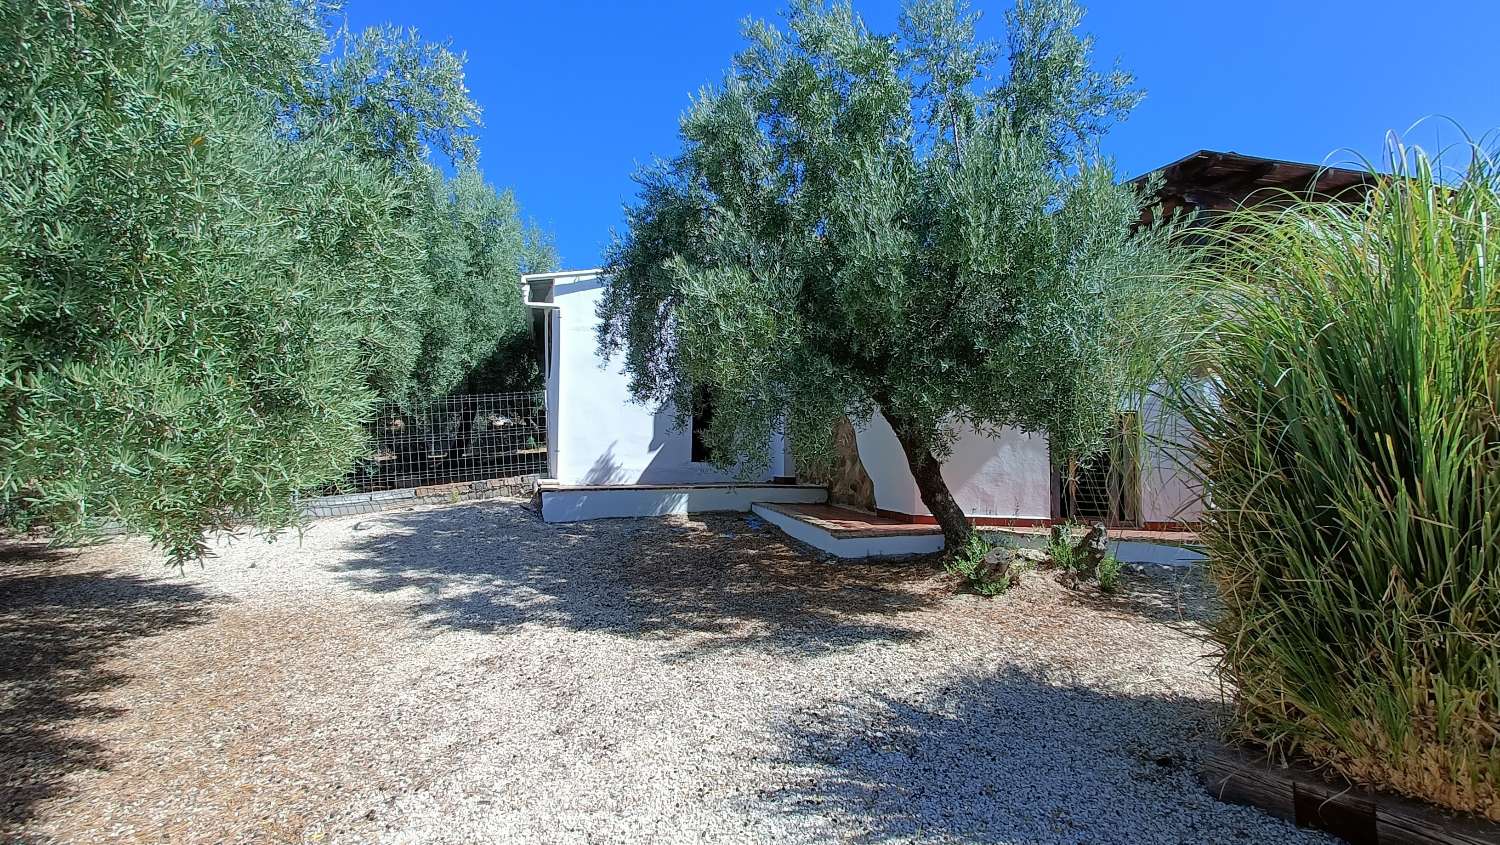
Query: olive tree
[476, 246]
[389, 98]
[217, 251]
[894, 223]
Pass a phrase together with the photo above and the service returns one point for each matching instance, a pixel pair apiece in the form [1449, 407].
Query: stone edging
[350, 504]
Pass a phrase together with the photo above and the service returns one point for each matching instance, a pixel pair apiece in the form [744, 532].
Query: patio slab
[854, 534]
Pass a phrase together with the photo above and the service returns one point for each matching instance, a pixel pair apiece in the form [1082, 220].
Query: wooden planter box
[1357, 815]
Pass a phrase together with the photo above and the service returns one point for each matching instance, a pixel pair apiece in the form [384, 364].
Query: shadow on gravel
[1011, 758]
[57, 629]
[716, 582]
[1175, 597]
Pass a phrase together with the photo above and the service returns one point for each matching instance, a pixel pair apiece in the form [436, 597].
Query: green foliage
[856, 223]
[475, 246]
[386, 99]
[1052, 88]
[394, 96]
[1060, 547]
[510, 367]
[273, 46]
[202, 288]
[1108, 573]
[968, 563]
[1349, 443]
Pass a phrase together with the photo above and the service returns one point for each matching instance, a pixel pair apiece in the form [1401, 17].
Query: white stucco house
[611, 457]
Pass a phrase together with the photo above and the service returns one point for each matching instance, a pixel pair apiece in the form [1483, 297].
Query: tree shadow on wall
[57, 630]
[712, 583]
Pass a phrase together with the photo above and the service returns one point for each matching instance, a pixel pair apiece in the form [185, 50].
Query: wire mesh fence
[475, 437]
[1095, 493]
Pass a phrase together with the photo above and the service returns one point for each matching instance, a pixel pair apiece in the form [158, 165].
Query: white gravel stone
[470, 674]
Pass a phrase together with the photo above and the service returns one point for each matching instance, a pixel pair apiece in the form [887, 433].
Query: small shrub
[965, 561]
[1109, 573]
[1060, 547]
[969, 564]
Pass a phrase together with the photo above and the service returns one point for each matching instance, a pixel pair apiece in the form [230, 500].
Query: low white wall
[1007, 475]
[1140, 551]
[1126, 551]
[602, 436]
[850, 547]
[565, 505]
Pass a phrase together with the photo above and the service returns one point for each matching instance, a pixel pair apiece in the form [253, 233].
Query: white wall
[1167, 492]
[551, 342]
[885, 463]
[1007, 475]
[1010, 475]
[600, 435]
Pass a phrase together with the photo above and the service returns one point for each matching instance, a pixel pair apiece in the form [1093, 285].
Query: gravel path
[470, 674]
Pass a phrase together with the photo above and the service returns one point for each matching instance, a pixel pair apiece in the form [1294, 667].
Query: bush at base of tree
[1351, 457]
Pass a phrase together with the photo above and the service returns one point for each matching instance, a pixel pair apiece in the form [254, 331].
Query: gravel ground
[470, 674]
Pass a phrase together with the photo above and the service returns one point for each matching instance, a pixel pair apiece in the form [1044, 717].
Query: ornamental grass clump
[1348, 441]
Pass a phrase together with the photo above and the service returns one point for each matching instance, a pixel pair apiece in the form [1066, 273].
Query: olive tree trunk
[928, 472]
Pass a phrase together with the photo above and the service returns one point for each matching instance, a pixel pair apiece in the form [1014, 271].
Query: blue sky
[576, 94]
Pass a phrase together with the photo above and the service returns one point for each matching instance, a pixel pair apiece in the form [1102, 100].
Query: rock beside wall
[847, 481]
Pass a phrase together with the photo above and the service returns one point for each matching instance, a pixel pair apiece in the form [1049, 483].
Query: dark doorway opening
[703, 415]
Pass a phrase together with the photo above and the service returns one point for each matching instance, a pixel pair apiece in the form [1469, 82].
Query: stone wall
[385, 500]
[847, 481]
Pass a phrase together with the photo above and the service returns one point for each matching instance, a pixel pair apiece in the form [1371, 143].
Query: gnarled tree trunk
[928, 472]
